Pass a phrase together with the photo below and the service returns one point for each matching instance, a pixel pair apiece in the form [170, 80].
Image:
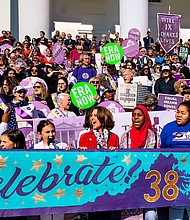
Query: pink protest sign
[112, 106]
[58, 53]
[134, 34]
[4, 47]
[29, 82]
[130, 47]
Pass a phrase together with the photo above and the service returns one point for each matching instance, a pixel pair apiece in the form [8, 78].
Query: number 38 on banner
[170, 190]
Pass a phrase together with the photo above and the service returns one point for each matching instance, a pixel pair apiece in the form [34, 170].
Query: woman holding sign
[176, 135]
[101, 121]
[99, 137]
[140, 135]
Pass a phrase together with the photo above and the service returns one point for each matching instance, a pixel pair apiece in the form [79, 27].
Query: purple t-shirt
[84, 74]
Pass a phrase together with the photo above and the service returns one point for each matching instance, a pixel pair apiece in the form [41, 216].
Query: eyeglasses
[36, 87]
[95, 82]
[34, 70]
[146, 68]
[21, 91]
[143, 51]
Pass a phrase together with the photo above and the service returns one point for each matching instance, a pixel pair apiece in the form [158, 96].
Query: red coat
[88, 140]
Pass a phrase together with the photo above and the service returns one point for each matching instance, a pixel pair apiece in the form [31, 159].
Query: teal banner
[40, 181]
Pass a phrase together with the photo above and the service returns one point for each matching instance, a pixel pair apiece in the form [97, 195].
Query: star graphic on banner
[58, 160]
[3, 162]
[59, 193]
[15, 163]
[27, 155]
[78, 193]
[127, 159]
[38, 198]
[184, 160]
[81, 158]
[6, 203]
[37, 165]
[22, 202]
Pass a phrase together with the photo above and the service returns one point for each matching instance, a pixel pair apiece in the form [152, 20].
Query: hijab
[139, 136]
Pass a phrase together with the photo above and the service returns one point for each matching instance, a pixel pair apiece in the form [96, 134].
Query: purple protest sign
[169, 101]
[168, 30]
[4, 47]
[134, 34]
[177, 76]
[112, 106]
[41, 107]
[130, 47]
[58, 53]
[29, 82]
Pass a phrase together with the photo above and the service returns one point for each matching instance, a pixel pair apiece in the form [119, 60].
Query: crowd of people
[34, 58]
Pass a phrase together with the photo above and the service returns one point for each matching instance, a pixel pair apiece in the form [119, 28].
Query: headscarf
[139, 136]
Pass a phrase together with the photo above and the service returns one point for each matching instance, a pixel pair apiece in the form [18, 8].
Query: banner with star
[44, 182]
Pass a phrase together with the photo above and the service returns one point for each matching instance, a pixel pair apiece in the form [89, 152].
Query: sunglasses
[34, 70]
[146, 68]
[36, 87]
[95, 82]
[21, 91]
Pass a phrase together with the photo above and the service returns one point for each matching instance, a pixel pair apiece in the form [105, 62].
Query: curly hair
[11, 82]
[178, 83]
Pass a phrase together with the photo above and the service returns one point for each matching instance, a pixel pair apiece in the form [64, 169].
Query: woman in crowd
[184, 73]
[62, 87]
[64, 107]
[3, 63]
[41, 94]
[146, 72]
[175, 135]
[186, 93]
[140, 135]
[179, 86]
[157, 72]
[35, 71]
[10, 72]
[35, 53]
[108, 95]
[175, 60]
[13, 139]
[6, 94]
[100, 136]
[48, 58]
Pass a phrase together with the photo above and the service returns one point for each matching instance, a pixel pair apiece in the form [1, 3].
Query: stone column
[133, 14]
[4, 15]
[34, 16]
